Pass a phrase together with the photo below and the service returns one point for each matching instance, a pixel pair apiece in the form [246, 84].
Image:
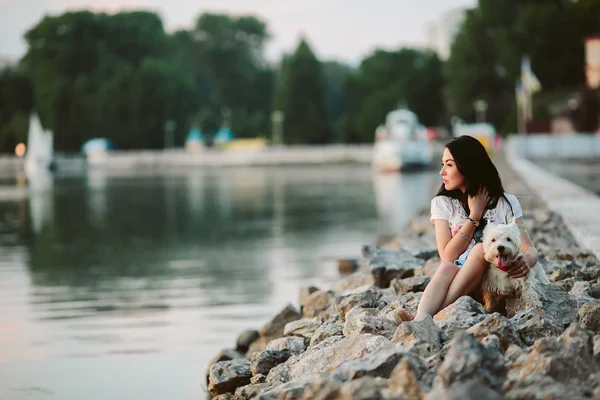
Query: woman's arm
[450, 248]
[529, 253]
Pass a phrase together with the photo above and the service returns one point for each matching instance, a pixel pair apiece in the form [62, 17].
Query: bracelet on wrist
[474, 222]
[464, 236]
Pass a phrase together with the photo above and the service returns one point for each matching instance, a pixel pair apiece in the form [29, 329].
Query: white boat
[39, 156]
[96, 151]
[401, 143]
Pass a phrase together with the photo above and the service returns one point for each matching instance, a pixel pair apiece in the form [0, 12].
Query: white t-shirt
[450, 209]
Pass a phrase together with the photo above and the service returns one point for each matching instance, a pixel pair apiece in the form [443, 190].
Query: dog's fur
[503, 241]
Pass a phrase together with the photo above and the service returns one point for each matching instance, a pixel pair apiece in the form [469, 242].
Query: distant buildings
[440, 34]
[5, 62]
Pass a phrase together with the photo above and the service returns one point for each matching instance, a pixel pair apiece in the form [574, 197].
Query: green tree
[109, 76]
[335, 75]
[16, 105]
[306, 118]
[386, 80]
[227, 56]
[486, 54]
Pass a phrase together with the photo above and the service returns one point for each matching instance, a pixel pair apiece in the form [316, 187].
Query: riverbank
[157, 160]
[345, 342]
[160, 160]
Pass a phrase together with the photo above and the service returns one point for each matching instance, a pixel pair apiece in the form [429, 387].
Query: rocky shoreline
[346, 342]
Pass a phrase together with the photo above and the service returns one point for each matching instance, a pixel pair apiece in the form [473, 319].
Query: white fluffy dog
[501, 247]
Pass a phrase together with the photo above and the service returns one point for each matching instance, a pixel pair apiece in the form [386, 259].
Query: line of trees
[122, 76]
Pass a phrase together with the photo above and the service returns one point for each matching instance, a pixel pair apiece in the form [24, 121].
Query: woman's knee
[447, 268]
[477, 250]
[476, 257]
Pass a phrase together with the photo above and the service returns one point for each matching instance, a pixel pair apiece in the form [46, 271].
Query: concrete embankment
[579, 207]
[347, 342]
[292, 155]
[166, 159]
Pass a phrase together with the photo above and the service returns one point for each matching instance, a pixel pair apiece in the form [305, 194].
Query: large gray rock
[353, 281]
[408, 301]
[332, 327]
[412, 284]
[304, 293]
[274, 328]
[533, 324]
[386, 265]
[557, 304]
[253, 390]
[304, 327]
[469, 360]
[262, 363]
[319, 304]
[555, 367]
[322, 388]
[474, 389]
[589, 316]
[245, 339]
[367, 320]
[223, 355]
[460, 315]
[363, 388]
[293, 389]
[325, 356]
[294, 344]
[421, 336]
[227, 376]
[404, 382]
[367, 298]
[499, 326]
[379, 364]
[581, 291]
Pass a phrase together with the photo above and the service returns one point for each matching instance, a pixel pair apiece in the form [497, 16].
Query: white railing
[578, 145]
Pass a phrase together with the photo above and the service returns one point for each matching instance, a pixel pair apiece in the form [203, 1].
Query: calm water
[124, 286]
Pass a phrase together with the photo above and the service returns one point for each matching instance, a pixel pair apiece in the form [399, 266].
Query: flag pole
[519, 105]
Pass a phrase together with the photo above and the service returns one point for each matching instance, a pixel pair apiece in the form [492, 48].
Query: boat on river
[401, 143]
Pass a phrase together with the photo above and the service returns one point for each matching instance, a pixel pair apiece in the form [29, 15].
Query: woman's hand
[519, 268]
[477, 204]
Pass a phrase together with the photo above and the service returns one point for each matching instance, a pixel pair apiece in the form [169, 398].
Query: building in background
[441, 33]
[5, 62]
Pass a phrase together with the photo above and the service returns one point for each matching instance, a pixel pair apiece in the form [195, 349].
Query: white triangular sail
[40, 150]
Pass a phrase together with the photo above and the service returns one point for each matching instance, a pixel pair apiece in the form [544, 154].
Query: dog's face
[501, 244]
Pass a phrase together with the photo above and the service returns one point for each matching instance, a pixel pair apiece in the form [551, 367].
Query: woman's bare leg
[436, 291]
[468, 277]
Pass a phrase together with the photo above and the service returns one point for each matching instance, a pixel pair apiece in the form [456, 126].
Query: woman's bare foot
[403, 315]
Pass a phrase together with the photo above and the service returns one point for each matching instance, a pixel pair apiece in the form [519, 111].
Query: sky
[345, 30]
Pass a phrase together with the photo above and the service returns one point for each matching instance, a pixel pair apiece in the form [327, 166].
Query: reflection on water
[112, 282]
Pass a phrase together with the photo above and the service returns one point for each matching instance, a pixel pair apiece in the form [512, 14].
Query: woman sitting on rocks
[471, 196]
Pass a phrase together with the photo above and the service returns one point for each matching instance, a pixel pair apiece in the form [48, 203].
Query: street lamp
[225, 115]
[277, 120]
[169, 126]
[481, 107]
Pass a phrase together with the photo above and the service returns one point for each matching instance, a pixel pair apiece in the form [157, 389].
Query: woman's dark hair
[474, 163]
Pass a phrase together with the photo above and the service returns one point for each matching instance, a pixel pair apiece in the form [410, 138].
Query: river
[120, 286]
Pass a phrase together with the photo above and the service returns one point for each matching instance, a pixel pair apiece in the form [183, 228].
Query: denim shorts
[462, 259]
